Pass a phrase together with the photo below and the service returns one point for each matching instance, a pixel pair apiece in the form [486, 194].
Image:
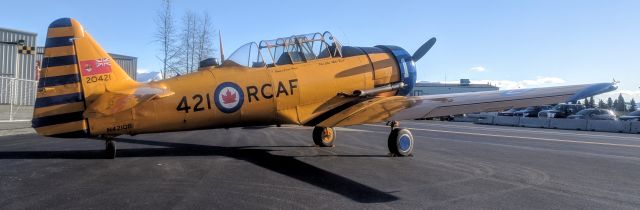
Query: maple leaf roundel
[228, 97]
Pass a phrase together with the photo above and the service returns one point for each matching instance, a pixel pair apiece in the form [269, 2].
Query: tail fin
[75, 71]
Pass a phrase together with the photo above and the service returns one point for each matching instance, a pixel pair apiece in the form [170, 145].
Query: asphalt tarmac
[455, 166]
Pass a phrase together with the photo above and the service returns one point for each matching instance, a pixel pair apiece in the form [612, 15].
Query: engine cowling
[406, 66]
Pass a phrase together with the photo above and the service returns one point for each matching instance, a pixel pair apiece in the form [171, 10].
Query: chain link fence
[17, 97]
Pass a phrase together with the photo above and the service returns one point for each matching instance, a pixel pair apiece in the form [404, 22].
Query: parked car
[594, 114]
[633, 116]
[531, 111]
[509, 112]
[561, 111]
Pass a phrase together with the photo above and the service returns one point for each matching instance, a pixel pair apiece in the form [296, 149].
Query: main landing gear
[324, 137]
[400, 140]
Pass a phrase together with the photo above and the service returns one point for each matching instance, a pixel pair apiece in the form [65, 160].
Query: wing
[412, 107]
[112, 102]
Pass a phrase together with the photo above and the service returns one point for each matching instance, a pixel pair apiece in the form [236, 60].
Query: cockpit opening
[284, 51]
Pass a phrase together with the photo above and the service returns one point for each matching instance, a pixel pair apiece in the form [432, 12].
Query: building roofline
[123, 56]
[18, 31]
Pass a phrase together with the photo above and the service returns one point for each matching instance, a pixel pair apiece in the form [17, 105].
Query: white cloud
[149, 76]
[143, 70]
[478, 69]
[510, 84]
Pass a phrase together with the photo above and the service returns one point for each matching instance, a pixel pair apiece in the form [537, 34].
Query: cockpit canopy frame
[287, 50]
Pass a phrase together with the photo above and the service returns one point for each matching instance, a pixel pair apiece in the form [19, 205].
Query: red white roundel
[228, 97]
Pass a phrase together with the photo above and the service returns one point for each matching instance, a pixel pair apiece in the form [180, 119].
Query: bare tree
[166, 36]
[205, 38]
[188, 38]
[196, 40]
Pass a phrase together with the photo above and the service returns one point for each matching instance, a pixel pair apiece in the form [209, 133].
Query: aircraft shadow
[285, 165]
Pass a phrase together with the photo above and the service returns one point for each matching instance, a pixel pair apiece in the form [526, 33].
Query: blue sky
[510, 43]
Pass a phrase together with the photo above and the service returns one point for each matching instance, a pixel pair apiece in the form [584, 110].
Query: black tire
[110, 150]
[324, 137]
[400, 142]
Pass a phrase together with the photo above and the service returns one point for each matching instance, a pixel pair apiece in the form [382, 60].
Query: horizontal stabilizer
[112, 102]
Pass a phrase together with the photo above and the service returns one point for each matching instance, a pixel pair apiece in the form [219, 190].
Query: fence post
[11, 98]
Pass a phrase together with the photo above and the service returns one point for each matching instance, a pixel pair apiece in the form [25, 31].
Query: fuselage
[232, 96]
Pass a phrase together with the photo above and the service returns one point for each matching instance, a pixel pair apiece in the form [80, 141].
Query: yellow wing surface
[412, 107]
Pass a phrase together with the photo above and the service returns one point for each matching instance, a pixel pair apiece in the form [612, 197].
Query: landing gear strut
[400, 140]
[324, 137]
[110, 150]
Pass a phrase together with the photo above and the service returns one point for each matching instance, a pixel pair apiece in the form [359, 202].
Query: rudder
[75, 71]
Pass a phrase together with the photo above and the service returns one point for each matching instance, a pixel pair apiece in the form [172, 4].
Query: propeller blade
[423, 49]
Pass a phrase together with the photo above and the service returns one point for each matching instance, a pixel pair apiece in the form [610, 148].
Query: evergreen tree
[622, 106]
[601, 104]
[609, 103]
[633, 107]
[592, 103]
[585, 103]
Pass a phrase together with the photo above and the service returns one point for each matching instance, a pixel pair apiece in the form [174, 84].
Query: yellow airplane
[308, 80]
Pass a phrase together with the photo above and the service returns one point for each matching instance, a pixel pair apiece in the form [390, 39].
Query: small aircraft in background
[308, 80]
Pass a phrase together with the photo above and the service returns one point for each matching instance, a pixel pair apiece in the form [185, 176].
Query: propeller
[423, 49]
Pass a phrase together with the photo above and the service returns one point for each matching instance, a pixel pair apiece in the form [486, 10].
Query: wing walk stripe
[58, 41]
[58, 61]
[56, 100]
[57, 119]
[58, 80]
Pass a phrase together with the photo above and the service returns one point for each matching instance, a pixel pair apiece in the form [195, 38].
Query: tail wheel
[110, 150]
[324, 137]
[400, 142]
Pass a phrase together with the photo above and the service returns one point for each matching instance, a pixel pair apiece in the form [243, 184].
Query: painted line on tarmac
[513, 129]
[526, 129]
[520, 137]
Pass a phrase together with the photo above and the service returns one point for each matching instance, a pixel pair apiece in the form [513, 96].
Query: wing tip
[593, 89]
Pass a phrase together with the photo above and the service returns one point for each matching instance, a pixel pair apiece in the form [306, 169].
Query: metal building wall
[17, 71]
[9, 52]
[128, 63]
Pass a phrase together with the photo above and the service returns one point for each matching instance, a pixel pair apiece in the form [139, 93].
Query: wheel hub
[404, 143]
[327, 135]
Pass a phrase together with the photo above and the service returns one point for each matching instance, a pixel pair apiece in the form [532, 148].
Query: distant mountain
[149, 76]
[626, 94]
